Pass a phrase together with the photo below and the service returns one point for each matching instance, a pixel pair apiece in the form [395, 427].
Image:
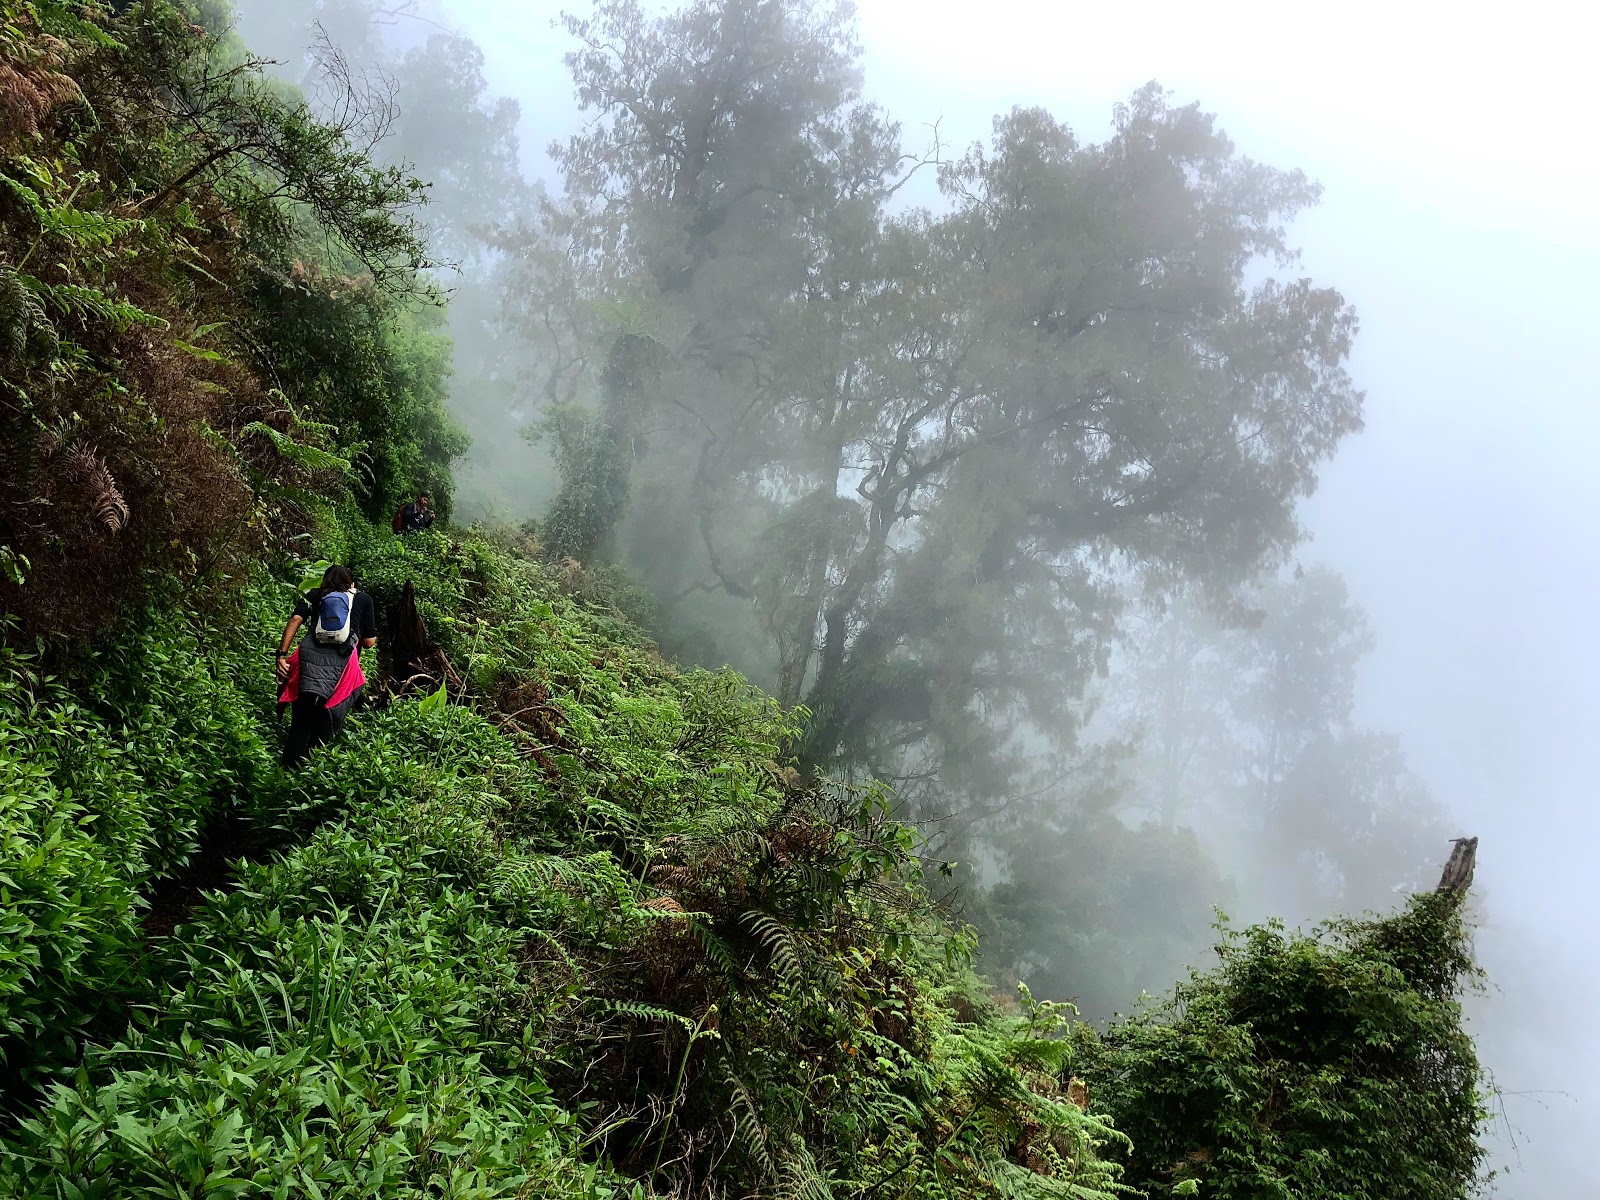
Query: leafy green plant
[1325, 1064]
[313, 458]
[13, 566]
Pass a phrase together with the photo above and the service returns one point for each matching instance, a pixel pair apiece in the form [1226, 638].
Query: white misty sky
[1462, 217]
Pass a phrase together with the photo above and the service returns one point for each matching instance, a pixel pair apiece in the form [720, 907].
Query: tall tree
[927, 452]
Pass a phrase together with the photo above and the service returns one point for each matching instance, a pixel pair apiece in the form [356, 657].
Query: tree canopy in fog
[932, 453]
[1224, 763]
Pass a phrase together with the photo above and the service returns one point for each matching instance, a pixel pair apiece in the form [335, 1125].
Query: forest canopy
[928, 457]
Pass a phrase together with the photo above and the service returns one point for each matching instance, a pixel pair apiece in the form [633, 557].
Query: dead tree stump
[414, 661]
[1457, 877]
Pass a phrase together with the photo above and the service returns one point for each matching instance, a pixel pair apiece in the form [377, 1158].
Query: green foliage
[586, 893]
[377, 371]
[595, 451]
[1329, 1065]
[340, 1055]
[595, 461]
[13, 566]
[89, 304]
[152, 177]
[450, 129]
[110, 778]
[313, 458]
[65, 907]
[60, 19]
[25, 327]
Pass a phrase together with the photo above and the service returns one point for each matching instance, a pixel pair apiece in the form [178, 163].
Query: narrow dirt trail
[226, 841]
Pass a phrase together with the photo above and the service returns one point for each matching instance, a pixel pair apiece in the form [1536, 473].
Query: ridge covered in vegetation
[580, 917]
[567, 922]
[598, 885]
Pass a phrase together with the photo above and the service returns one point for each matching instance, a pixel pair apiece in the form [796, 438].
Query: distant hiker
[414, 517]
[323, 677]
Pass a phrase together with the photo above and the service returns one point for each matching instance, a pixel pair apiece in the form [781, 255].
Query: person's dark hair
[336, 578]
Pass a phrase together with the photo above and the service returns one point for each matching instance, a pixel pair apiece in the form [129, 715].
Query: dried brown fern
[89, 471]
[1078, 1093]
[32, 85]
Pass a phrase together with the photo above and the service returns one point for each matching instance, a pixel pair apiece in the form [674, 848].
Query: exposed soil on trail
[225, 841]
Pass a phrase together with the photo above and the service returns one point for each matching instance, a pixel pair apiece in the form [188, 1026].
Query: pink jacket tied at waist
[352, 679]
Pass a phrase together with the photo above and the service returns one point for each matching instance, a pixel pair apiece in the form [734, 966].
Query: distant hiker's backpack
[399, 521]
[334, 621]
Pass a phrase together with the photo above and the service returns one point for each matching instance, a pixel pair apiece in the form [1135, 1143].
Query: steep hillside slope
[574, 914]
[563, 926]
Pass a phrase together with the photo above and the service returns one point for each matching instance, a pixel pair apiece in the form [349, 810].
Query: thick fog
[1459, 222]
[1459, 217]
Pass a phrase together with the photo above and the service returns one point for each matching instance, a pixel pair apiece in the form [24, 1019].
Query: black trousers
[311, 724]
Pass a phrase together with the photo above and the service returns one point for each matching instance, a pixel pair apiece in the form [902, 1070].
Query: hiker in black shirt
[323, 678]
[413, 518]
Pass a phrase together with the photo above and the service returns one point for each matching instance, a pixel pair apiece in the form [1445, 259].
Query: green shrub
[1330, 1065]
[65, 906]
[97, 801]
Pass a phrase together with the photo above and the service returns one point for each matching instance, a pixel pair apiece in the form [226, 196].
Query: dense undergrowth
[576, 916]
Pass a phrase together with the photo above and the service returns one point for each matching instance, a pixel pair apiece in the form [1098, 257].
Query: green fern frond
[312, 458]
[650, 1012]
[24, 326]
[800, 1177]
[596, 875]
[781, 944]
[668, 915]
[82, 228]
[91, 304]
[25, 195]
[715, 949]
[66, 21]
[748, 1127]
